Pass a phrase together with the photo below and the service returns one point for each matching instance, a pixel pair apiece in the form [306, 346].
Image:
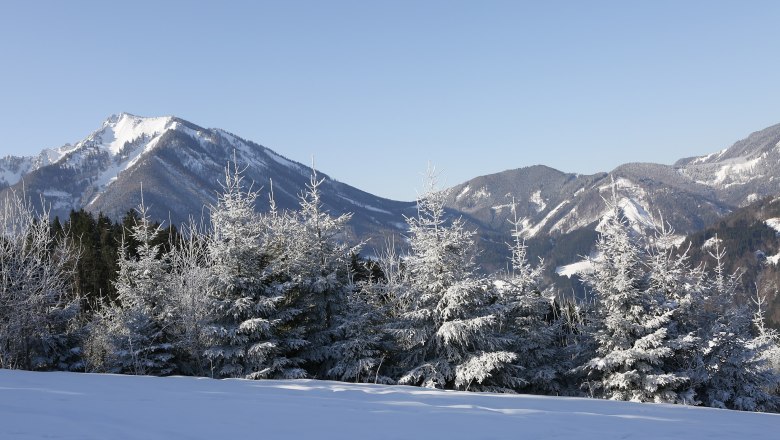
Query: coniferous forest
[281, 295]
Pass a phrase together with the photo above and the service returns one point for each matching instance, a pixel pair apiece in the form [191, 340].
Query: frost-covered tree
[631, 326]
[677, 289]
[133, 330]
[37, 305]
[528, 319]
[242, 336]
[446, 328]
[738, 374]
[190, 284]
[320, 278]
[766, 335]
[768, 340]
[361, 343]
[365, 346]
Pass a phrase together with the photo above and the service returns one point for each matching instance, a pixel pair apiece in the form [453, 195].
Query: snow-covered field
[93, 406]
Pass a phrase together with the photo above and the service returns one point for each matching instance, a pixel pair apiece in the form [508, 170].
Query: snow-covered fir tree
[446, 328]
[768, 339]
[677, 289]
[528, 318]
[364, 344]
[242, 336]
[361, 343]
[37, 304]
[631, 326]
[133, 329]
[320, 278]
[738, 374]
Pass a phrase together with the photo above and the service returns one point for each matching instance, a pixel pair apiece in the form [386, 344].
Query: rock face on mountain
[179, 166]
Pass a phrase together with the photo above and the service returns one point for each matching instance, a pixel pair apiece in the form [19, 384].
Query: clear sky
[375, 90]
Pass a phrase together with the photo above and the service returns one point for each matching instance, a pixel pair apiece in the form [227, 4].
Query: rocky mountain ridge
[179, 165]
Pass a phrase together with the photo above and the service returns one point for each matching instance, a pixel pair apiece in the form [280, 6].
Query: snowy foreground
[94, 406]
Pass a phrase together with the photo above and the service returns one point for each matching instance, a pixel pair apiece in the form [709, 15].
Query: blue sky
[375, 90]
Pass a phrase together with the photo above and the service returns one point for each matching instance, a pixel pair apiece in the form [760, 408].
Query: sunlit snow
[575, 269]
[92, 406]
[773, 223]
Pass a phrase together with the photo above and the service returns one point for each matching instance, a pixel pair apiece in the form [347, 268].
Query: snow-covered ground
[93, 406]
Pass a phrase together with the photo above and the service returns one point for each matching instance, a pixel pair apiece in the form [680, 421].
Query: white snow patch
[774, 259]
[128, 128]
[499, 208]
[636, 214]
[578, 268]
[110, 174]
[56, 193]
[621, 183]
[365, 206]
[566, 219]
[481, 193]
[773, 223]
[536, 199]
[12, 176]
[78, 406]
[530, 231]
[463, 192]
[711, 242]
[703, 159]
[282, 161]
[736, 170]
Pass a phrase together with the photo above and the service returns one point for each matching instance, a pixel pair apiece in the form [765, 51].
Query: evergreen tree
[134, 327]
[321, 282]
[445, 331]
[631, 328]
[97, 241]
[362, 344]
[244, 335]
[366, 346]
[532, 324]
[677, 289]
[738, 374]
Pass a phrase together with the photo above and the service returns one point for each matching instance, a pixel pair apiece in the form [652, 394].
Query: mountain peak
[123, 128]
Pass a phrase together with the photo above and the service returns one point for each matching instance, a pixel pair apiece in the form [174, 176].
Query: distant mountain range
[180, 164]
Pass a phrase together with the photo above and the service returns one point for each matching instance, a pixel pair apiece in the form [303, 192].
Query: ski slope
[92, 406]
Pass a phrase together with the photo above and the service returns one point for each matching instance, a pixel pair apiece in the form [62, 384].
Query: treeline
[280, 295]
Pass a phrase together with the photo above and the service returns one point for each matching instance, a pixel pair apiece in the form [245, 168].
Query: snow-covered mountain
[179, 165]
[743, 173]
[555, 207]
[550, 203]
[690, 194]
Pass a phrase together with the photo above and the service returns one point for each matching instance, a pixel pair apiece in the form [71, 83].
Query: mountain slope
[751, 238]
[743, 173]
[179, 165]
